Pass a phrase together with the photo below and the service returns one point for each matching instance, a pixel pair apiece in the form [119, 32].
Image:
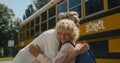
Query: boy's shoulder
[68, 45]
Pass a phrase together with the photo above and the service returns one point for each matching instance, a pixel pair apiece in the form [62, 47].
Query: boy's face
[64, 36]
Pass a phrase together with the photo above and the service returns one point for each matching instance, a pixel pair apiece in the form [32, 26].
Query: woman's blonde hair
[69, 27]
[62, 15]
[70, 13]
[66, 15]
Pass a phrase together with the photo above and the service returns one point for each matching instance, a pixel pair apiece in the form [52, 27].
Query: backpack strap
[65, 43]
[70, 43]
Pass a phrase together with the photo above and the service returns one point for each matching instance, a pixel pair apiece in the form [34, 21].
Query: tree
[36, 5]
[40, 3]
[8, 27]
[14, 34]
[6, 15]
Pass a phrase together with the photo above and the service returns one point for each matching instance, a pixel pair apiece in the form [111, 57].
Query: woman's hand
[34, 50]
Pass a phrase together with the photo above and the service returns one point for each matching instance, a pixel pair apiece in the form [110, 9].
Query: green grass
[6, 58]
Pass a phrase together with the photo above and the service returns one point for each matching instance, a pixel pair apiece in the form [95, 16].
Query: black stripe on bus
[100, 49]
[117, 10]
[115, 55]
[100, 35]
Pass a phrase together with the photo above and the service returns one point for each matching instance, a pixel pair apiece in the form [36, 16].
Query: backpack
[87, 57]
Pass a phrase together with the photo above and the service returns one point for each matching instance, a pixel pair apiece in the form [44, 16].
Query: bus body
[99, 25]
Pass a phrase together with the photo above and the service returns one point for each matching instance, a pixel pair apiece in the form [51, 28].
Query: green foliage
[36, 5]
[6, 15]
[39, 4]
[8, 27]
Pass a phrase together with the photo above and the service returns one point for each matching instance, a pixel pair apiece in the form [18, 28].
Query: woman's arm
[34, 50]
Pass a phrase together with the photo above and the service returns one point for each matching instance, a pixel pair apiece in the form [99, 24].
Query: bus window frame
[94, 13]
[63, 2]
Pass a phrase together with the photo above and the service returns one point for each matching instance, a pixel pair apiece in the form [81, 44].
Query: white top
[60, 57]
[48, 43]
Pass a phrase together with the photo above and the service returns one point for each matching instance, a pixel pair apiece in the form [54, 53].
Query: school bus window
[24, 30]
[62, 7]
[32, 32]
[44, 26]
[37, 29]
[32, 24]
[27, 26]
[27, 34]
[52, 23]
[52, 11]
[100, 49]
[44, 16]
[23, 35]
[37, 20]
[113, 3]
[20, 36]
[93, 6]
[27, 30]
[37, 25]
[75, 6]
[73, 3]
[32, 28]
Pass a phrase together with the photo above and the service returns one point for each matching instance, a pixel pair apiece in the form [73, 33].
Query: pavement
[5, 61]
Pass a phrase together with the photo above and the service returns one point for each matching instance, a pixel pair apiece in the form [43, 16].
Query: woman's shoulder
[50, 31]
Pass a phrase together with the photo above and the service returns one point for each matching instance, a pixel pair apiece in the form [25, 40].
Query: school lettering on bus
[95, 26]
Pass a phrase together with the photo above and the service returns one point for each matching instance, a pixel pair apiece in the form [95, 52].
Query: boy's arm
[79, 49]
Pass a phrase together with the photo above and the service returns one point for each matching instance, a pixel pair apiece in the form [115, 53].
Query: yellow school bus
[99, 25]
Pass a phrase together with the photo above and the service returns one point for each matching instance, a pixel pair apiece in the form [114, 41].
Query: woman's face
[64, 36]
